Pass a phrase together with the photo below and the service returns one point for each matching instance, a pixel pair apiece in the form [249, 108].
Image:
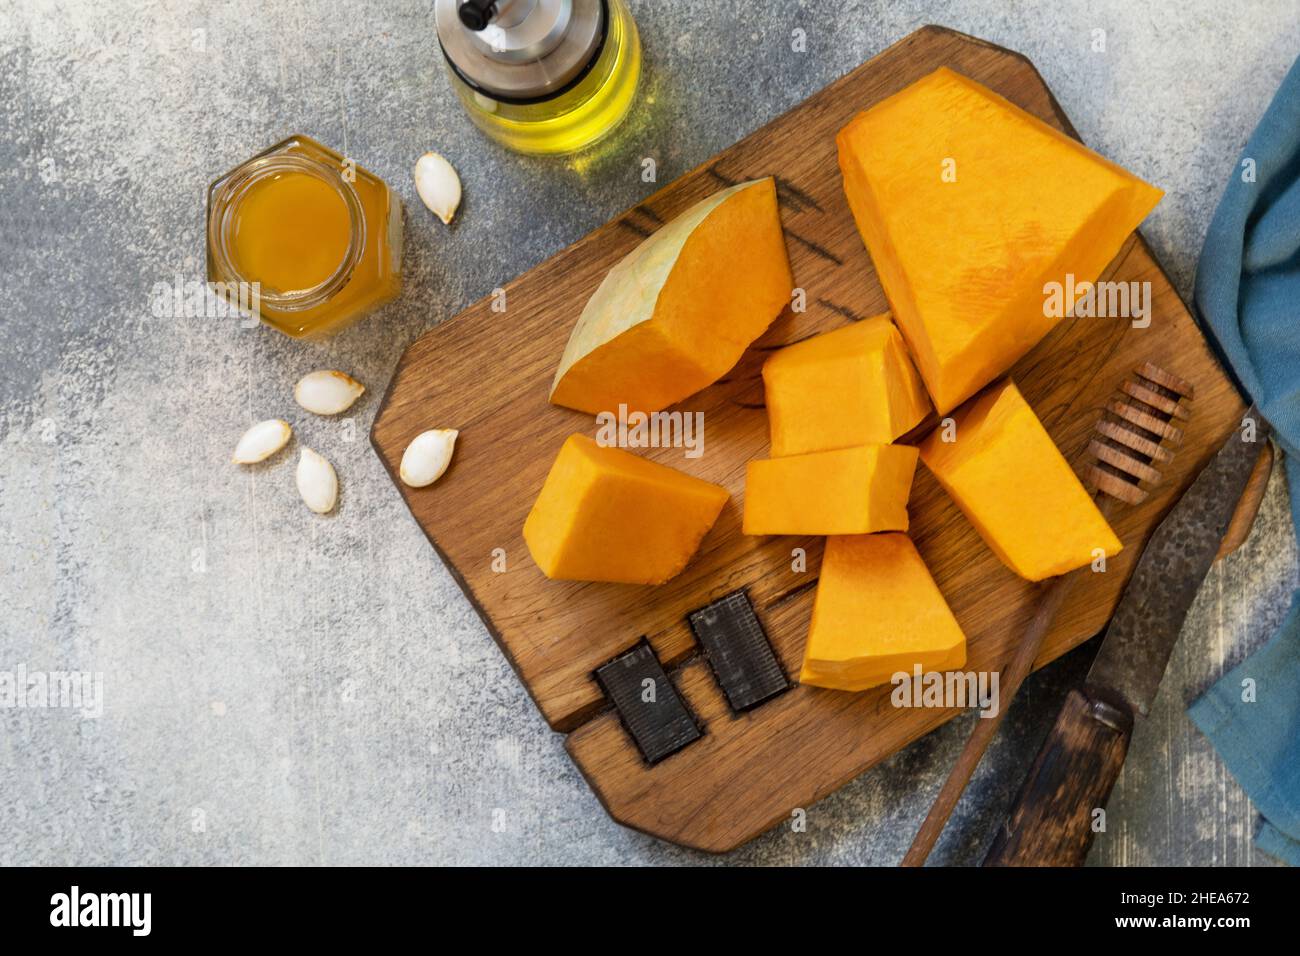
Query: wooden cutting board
[487, 373]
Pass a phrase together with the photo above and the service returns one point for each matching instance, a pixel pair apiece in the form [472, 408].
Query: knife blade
[1150, 615]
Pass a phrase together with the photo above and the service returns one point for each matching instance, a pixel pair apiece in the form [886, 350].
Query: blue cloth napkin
[1248, 300]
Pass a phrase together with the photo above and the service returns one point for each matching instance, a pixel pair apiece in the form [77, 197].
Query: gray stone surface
[285, 689]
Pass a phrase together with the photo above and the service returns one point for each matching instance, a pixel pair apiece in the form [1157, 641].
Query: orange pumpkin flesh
[852, 386]
[969, 206]
[679, 310]
[845, 491]
[1007, 476]
[877, 612]
[605, 514]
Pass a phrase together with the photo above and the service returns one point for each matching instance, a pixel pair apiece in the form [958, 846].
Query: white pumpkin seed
[438, 185]
[317, 482]
[327, 392]
[261, 441]
[427, 456]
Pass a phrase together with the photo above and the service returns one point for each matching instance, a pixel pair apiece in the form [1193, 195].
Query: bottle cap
[520, 51]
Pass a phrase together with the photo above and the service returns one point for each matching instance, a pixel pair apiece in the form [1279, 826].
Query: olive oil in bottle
[541, 76]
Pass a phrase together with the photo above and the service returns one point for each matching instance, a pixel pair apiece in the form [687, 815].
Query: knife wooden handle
[1051, 822]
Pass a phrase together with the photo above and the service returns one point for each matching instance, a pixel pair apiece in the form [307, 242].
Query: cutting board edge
[730, 845]
[564, 724]
[585, 718]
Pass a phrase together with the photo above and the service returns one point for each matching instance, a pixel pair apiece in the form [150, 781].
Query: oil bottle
[541, 76]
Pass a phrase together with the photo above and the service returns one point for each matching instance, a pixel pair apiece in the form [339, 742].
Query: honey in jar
[316, 238]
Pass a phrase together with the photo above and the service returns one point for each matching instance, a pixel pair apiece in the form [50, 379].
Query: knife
[1059, 807]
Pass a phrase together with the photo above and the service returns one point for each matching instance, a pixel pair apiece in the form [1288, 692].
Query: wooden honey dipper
[1133, 437]
[1131, 432]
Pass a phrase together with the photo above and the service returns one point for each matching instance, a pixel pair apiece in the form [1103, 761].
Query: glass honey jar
[315, 237]
[541, 76]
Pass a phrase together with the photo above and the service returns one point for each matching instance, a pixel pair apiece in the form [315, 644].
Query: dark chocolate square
[660, 726]
[738, 651]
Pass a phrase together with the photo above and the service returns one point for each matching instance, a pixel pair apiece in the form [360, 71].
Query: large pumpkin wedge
[969, 206]
[679, 310]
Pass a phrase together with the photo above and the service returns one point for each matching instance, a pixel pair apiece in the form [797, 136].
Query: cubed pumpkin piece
[606, 515]
[852, 386]
[969, 206]
[846, 491]
[877, 612]
[1006, 475]
[679, 310]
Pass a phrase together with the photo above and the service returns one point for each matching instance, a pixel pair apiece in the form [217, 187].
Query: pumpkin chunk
[969, 206]
[1007, 476]
[846, 491]
[679, 310]
[877, 612]
[852, 386]
[606, 515]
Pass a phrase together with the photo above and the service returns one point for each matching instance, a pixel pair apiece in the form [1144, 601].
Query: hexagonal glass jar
[310, 239]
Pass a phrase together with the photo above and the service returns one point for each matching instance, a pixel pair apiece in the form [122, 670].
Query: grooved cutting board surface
[488, 373]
